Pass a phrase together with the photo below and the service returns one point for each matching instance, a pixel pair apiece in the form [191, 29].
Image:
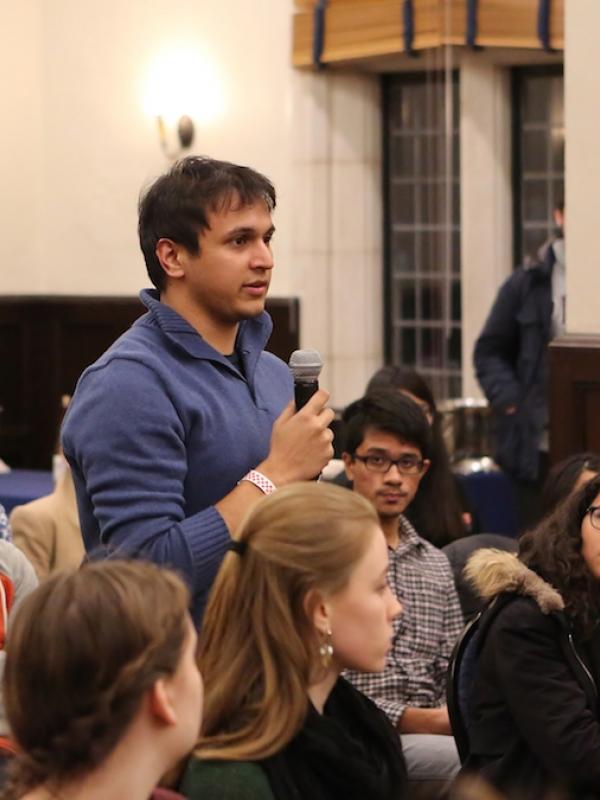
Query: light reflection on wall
[182, 80]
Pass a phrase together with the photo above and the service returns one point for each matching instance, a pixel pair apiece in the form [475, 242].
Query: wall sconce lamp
[181, 83]
[185, 135]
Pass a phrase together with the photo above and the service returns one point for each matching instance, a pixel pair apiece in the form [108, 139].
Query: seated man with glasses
[387, 444]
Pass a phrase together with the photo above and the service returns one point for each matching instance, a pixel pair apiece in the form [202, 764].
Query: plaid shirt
[424, 633]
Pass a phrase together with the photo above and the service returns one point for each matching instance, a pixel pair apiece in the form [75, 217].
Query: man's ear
[426, 465]
[170, 256]
[317, 611]
[348, 465]
[159, 702]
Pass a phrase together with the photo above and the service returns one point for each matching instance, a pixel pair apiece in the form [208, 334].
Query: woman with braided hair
[101, 685]
[303, 596]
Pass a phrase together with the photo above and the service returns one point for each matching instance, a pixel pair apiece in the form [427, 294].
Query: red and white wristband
[261, 481]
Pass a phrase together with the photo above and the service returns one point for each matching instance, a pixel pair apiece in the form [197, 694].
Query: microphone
[305, 366]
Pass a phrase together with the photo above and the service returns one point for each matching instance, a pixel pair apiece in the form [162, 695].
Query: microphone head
[305, 365]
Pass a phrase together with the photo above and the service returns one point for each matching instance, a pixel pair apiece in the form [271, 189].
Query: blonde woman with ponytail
[302, 596]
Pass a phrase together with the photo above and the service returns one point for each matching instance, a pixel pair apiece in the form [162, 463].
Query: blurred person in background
[47, 529]
[511, 364]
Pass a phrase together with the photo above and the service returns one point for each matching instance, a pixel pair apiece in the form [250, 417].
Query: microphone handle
[303, 391]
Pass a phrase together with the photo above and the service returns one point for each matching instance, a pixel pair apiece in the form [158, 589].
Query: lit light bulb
[180, 81]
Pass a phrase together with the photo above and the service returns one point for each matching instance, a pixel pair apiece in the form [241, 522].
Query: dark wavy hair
[553, 550]
[83, 649]
[563, 476]
[440, 522]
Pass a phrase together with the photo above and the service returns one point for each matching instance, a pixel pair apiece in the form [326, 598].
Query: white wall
[21, 132]
[337, 212]
[77, 146]
[486, 197]
[582, 123]
[82, 144]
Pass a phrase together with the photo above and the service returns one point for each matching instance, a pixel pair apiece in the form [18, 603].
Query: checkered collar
[409, 538]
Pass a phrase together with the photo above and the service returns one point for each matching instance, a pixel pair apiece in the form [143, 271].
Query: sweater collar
[253, 334]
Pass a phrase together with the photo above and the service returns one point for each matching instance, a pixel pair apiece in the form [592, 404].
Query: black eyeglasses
[594, 512]
[407, 465]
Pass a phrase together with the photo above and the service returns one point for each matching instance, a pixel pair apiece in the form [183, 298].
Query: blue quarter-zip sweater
[161, 428]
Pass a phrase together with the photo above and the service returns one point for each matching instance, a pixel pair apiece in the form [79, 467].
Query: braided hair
[83, 649]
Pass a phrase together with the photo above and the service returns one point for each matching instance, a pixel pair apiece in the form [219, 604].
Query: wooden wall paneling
[14, 394]
[285, 312]
[574, 382]
[53, 340]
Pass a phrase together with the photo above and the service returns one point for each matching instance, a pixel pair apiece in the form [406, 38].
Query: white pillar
[337, 247]
[582, 124]
[486, 196]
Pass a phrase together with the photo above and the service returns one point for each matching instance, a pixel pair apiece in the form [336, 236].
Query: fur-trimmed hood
[492, 572]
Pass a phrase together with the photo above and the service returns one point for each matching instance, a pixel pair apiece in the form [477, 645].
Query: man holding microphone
[186, 422]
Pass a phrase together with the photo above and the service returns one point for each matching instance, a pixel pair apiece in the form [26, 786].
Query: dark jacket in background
[511, 364]
[459, 552]
[533, 725]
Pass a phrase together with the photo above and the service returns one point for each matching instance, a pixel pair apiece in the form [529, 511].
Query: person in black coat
[510, 359]
[533, 713]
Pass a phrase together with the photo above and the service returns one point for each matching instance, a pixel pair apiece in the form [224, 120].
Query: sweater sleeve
[545, 700]
[126, 445]
[495, 352]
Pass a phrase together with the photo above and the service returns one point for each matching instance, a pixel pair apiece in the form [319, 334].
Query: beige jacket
[47, 529]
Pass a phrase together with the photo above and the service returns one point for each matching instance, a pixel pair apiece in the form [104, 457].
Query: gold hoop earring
[326, 650]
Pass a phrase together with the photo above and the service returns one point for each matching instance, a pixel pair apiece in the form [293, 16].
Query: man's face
[390, 492]
[228, 280]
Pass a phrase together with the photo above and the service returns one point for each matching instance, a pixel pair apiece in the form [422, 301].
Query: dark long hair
[563, 476]
[436, 512]
[553, 550]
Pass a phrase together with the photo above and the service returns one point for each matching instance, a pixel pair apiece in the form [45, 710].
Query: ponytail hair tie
[238, 547]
